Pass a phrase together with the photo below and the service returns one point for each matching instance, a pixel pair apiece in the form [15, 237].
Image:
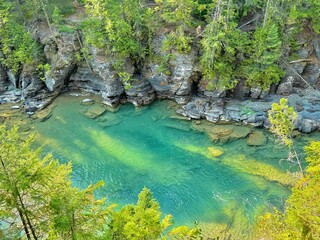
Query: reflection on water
[130, 149]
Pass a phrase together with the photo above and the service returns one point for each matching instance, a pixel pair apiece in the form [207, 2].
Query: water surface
[135, 148]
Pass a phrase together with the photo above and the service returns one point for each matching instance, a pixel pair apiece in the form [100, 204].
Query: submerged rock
[177, 125]
[215, 152]
[94, 111]
[44, 115]
[109, 120]
[15, 107]
[223, 133]
[257, 138]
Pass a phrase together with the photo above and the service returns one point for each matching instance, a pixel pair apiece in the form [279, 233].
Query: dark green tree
[261, 67]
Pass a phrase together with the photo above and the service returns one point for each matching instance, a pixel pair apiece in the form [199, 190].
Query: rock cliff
[301, 84]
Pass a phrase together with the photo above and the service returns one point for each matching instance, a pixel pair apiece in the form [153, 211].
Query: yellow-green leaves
[282, 119]
[301, 220]
[37, 196]
[141, 221]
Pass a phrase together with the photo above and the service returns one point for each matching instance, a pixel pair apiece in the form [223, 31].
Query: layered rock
[182, 82]
[177, 84]
[60, 52]
[100, 77]
[140, 93]
[30, 83]
[306, 103]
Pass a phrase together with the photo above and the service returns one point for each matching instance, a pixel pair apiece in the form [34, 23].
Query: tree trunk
[25, 226]
[26, 215]
[48, 20]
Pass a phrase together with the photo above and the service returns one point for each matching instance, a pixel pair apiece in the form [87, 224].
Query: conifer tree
[37, 197]
[282, 119]
[222, 44]
[261, 68]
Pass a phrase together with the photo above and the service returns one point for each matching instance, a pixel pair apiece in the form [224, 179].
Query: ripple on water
[148, 148]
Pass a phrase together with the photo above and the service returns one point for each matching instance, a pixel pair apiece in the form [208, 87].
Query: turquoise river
[215, 184]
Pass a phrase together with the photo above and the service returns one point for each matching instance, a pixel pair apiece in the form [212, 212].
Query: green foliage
[177, 40]
[37, 196]
[16, 42]
[56, 16]
[94, 32]
[185, 232]
[141, 221]
[178, 15]
[282, 119]
[32, 9]
[261, 68]
[42, 70]
[222, 45]
[301, 220]
[123, 29]
[164, 63]
[306, 10]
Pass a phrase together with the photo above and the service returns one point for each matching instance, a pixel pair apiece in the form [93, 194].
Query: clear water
[131, 149]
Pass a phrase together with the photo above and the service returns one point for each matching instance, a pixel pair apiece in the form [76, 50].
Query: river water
[150, 147]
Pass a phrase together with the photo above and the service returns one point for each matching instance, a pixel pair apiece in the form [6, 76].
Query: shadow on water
[130, 149]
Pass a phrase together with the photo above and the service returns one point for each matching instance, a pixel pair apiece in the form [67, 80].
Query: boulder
[194, 109]
[103, 79]
[30, 83]
[285, 88]
[213, 111]
[316, 46]
[257, 138]
[308, 126]
[312, 73]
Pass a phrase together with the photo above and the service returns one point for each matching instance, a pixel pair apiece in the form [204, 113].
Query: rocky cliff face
[178, 84]
[98, 76]
[60, 53]
[301, 85]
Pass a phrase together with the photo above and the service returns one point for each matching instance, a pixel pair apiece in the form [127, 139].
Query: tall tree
[282, 119]
[37, 196]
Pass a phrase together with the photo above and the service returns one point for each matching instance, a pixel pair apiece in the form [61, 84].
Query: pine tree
[282, 119]
[261, 68]
[37, 197]
[222, 44]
